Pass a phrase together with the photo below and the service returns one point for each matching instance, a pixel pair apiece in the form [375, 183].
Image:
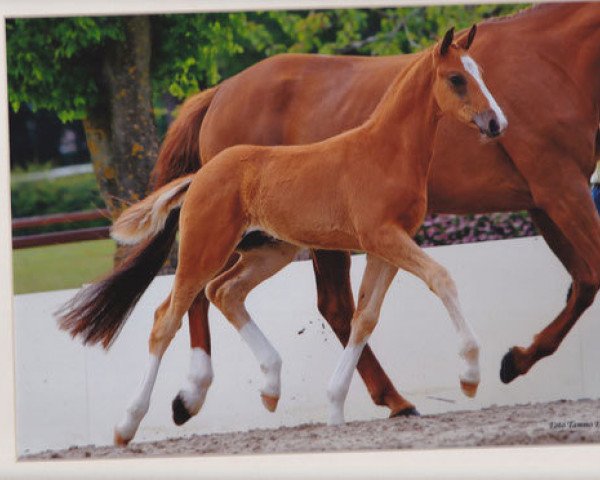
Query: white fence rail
[71, 395]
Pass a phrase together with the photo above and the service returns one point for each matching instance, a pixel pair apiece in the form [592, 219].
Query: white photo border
[492, 463]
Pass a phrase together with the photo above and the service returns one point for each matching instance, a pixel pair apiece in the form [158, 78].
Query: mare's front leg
[336, 304]
[573, 234]
[393, 244]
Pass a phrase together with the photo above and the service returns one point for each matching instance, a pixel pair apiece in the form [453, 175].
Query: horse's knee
[363, 324]
[441, 282]
[584, 291]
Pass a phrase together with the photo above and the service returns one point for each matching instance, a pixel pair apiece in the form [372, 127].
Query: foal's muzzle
[489, 124]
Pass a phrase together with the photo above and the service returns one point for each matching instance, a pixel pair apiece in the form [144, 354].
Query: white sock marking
[141, 402]
[198, 382]
[469, 346]
[267, 356]
[337, 391]
[472, 67]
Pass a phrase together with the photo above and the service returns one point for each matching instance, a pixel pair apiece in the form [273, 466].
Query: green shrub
[61, 195]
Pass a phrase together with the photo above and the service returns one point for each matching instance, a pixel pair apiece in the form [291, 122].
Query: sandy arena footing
[550, 423]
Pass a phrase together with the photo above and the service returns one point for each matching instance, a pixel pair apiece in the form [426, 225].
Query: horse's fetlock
[470, 351]
[272, 363]
[138, 411]
[201, 380]
[335, 394]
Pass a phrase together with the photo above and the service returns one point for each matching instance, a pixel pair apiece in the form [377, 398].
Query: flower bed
[445, 229]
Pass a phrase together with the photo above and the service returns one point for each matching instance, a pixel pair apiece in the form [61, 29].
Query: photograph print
[292, 231]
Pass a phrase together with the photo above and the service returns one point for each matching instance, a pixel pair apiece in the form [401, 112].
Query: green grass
[58, 267]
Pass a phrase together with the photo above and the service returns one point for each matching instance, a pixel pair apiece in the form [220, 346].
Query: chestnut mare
[297, 194]
[541, 164]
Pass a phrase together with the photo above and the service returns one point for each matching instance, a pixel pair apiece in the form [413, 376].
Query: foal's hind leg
[228, 292]
[167, 320]
[197, 265]
[376, 280]
[336, 304]
[395, 245]
[190, 398]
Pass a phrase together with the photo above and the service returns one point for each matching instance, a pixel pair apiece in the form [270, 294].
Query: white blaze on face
[473, 69]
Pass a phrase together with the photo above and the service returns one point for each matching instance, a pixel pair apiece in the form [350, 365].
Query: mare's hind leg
[336, 304]
[228, 292]
[191, 397]
[393, 244]
[376, 280]
[580, 254]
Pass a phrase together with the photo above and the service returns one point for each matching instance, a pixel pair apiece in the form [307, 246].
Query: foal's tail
[146, 219]
[98, 311]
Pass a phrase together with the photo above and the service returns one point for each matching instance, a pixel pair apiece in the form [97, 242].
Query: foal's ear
[446, 42]
[465, 44]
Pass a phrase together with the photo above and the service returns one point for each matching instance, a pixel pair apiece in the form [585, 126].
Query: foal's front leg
[336, 304]
[376, 280]
[398, 248]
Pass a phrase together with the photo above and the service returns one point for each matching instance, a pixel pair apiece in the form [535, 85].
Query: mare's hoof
[269, 402]
[406, 412]
[180, 412]
[468, 388]
[508, 369]
[119, 441]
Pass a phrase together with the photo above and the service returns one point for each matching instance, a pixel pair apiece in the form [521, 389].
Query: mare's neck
[575, 37]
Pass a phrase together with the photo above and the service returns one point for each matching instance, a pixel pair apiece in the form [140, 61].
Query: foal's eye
[457, 81]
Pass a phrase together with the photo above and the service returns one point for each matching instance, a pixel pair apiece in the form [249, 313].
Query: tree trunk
[121, 134]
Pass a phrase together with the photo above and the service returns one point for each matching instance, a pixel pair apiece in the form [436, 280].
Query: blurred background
[92, 97]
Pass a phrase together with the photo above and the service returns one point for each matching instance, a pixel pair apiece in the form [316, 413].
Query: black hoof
[508, 370]
[406, 412]
[180, 413]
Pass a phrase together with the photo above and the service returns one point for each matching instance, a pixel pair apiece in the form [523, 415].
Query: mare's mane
[534, 9]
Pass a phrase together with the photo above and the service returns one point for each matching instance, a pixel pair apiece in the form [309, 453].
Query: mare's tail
[98, 311]
[180, 150]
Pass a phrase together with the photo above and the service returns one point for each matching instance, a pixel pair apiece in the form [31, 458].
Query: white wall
[68, 394]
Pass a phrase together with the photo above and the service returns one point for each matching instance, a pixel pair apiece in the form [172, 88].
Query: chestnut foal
[362, 190]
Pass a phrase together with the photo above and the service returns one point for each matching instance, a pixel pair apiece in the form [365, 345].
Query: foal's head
[459, 88]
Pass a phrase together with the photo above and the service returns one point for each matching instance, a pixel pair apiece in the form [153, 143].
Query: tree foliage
[54, 63]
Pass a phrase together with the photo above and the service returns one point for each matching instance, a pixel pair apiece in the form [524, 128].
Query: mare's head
[459, 88]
